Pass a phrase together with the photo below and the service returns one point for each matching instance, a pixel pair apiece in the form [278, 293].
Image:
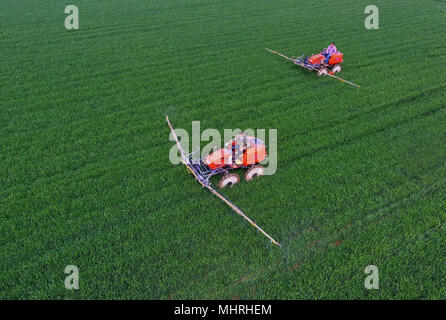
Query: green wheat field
[85, 176]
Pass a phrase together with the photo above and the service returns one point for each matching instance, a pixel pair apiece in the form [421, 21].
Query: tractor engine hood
[317, 58]
[218, 159]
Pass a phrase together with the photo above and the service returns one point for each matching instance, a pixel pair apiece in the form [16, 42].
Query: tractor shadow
[310, 76]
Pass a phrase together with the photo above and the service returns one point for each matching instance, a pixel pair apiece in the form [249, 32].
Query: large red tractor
[241, 152]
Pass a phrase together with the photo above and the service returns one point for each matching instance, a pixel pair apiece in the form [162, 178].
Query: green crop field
[85, 176]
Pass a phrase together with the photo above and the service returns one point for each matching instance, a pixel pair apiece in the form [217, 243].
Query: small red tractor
[241, 152]
[317, 63]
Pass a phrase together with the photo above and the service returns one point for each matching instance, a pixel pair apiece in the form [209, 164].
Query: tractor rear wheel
[229, 180]
[253, 172]
[322, 71]
[336, 68]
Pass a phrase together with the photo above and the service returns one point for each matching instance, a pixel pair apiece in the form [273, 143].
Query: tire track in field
[314, 248]
[373, 110]
[400, 203]
[313, 224]
[390, 206]
[367, 133]
[412, 241]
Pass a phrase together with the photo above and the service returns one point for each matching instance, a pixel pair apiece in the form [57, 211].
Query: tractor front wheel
[253, 172]
[322, 71]
[229, 180]
[336, 68]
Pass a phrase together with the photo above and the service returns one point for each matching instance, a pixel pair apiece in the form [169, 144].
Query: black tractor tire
[254, 171]
[322, 71]
[228, 180]
[336, 68]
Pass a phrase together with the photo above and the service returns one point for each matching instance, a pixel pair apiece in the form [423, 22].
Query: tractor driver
[239, 144]
[329, 51]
